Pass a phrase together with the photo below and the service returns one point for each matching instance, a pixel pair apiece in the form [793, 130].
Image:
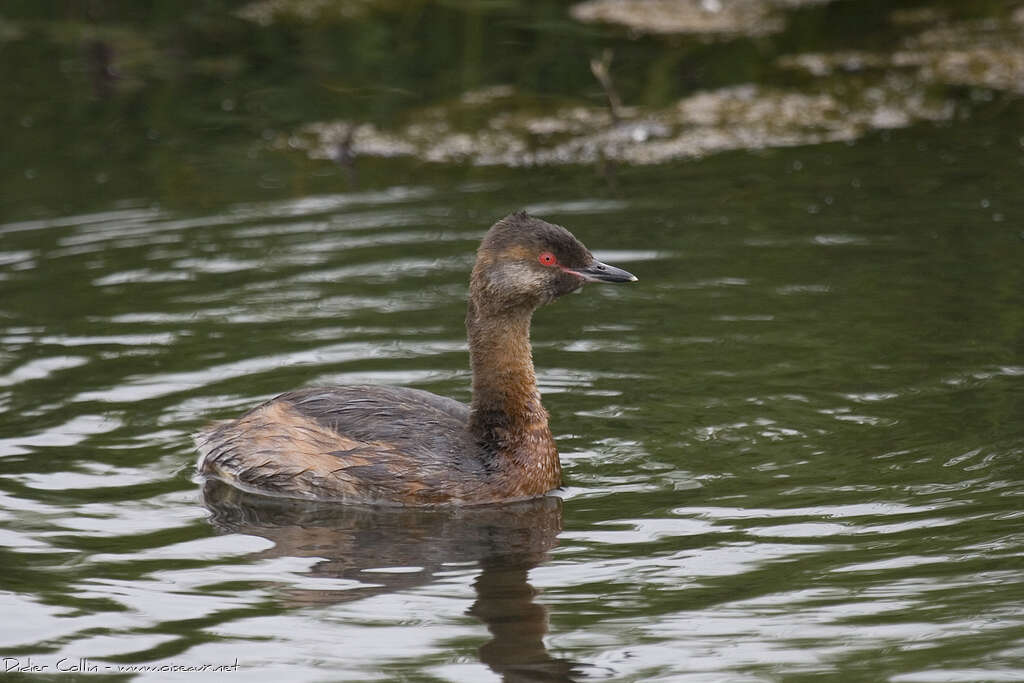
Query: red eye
[547, 258]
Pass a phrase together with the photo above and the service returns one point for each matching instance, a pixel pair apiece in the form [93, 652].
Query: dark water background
[792, 451]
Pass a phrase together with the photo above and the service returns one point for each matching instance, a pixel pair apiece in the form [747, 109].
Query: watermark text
[82, 665]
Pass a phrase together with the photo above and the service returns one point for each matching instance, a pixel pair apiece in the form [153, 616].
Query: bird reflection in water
[506, 540]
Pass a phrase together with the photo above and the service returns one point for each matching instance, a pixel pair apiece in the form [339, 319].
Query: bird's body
[369, 444]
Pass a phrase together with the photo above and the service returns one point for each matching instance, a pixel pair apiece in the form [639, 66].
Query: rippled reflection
[382, 550]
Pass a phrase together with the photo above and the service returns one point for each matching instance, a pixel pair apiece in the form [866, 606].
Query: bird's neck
[507, 415]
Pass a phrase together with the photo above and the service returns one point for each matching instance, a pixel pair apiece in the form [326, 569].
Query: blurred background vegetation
[195, 104]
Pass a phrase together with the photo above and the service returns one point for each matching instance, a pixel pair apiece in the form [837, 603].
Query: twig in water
[601, 68]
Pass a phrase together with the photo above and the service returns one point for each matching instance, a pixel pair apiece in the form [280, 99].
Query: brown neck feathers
[507, 415]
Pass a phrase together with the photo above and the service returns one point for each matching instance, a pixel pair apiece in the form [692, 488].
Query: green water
[793, 450]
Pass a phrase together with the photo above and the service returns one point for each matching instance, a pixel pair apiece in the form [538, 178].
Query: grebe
[393, 445]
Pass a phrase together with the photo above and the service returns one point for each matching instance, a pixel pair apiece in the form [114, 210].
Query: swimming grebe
[378, 444]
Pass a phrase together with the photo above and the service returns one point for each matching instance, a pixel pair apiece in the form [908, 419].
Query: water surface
[793, 450]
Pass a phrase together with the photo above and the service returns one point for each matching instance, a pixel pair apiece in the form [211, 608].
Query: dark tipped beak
[602, 272]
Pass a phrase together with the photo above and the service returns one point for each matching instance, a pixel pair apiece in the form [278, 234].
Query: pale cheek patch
[519, 277]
